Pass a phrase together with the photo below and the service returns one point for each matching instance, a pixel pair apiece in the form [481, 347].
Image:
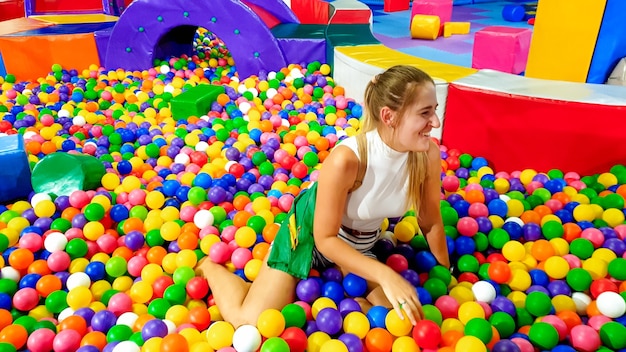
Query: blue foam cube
[14, 169]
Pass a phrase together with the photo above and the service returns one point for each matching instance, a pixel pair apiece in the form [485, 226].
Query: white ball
[29, 134]
[126, 346]
[171, 327]
[63, 113]
[515, 220]
[246, 339]
[55, 241]
[164, 69]
[78, 279]
[390, 236]
[241, 88]
[254, 91]
[582, 301]
[169, 89]
[296, 73]
[229, 164]
[484, 291]
[8, 272]
[245, 107]
[128, 319]
[79, 121]
[67, 312]
[203, 218]
[271, 92]
[38, 198]
[271, 75]
[611, 304]
[234, 79]
[202, 146]
[504, 197]
[182, 158]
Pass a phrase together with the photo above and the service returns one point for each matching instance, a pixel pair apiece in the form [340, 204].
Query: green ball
[137, 339]
[275, 344]
[139, 212]
[310, 159]
[257, 223]
[543, 194]
[56, 301]
[480, 328]
[582, 248]
[555, 173]
[617, 269]
[27, 322]
[7, 347]
[466, 160]
[219, 214]
[45, 324]
[614, 200]
[61, 225]
[418, 243]
[450, 216]
[153, 150]
[432, 313]
[504, 323]
[76, 248]
[543, 335]
[522, 317]
[8, 286]
[538, 303]
[436, 288]
[154, 239]
[266, 168]
[498, 238]
[552, 229]
[579, 279]
[119, 332]
[468, 264]
[442, 273]
[482, 241]
[259, 158]
[116, 266]
[196, 195]
[158, 307]
[483, 271]
[183, 274]
[451, 231]
[613, 335]
[294, 315]
[175, 294]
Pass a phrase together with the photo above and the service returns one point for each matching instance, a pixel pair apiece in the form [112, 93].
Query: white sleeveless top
[384, 191]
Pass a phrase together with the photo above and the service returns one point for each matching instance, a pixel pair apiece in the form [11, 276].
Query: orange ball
[188, 240]
[499, 271]
[6, 318]
[74, 322]
[15, 335]
[155, 255]
[39, 266]
[21, 258]
[174, 343]
[378, 340]
[48, 284]
[542, 250]
[270, 231]
[94, 338]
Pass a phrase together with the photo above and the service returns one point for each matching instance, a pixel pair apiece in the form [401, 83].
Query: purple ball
[88, 348]
[255, 187]
[29, 214]
[217, 195]
[79, 221]
[134, 240]
[62, 275]
[352, 342]
[310, 327]
[559, 287]
[503, 304]
[484, 224]
[453, 198]
[543, 178]
[537, 288]
[110, 346]
[243, 184]
[329, 320]
[173, 247]
[616, 245]
[308, 290]
[154, 328]
[103, 321]
[532, 232]
[332, 274]
[462, 172]
[266, 181]
[411, 276]
[85, 313]
[505, 346]
[348, 305]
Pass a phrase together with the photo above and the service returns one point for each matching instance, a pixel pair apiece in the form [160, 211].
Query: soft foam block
[60, 174]
[441, 8]
[15, 171]
[564, 39]
[195, 101]
[450, 28]
[501, 48]
[425, 27]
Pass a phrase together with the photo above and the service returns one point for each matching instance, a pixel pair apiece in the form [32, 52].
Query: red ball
[199, 158]
[197, 288]
[602, 285]
[288, 162]
[205, 205]
[468, 277]
[227, 206]
[300, 170]
[397, 262]
[450, 183]
[160, 284]
[453, 163]
[236, 170]
[427, 334]
[295, 338]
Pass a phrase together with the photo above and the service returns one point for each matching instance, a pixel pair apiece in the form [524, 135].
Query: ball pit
[539, 258]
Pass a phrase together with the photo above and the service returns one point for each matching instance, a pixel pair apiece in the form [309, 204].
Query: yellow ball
[584, 212]
[220, 335]
[605, 254]
[462, 293]
[405, 344]
[141, 292]
[178, 314]
[613, 217]
[398, 326]
[271, 323]
[356, 323]
[470, 344]
[527, 176]
[404, 231]
[597, 267]
[607, 179]
[520, 280]
[316, 340]
[516, 208]
[452, 324]
[469, 311]
[556, 267]
[513, 251]
[79, 297]
[333, 345]
[321, 303]
[251, 269]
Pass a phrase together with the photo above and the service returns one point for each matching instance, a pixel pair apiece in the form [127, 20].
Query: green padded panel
[195, 101]
[60, 174]
[304, 31]
[350, 35]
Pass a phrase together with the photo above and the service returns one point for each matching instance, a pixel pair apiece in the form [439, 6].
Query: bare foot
[203, 266]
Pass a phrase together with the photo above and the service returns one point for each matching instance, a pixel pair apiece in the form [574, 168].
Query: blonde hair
[398, 88]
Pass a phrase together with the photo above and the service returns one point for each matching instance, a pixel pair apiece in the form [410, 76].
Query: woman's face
[412, 133]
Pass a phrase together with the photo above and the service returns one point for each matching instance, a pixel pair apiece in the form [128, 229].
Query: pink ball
[248, 208]
[523, 344]
[573, 261]
[532, 186]
[78, 199]
[594, 235]
[66, 341]
[597, 321]
[219, 252]
[107, 243]
[31, 241]
[558, 324]
[300, 141]
[74, 233]
[137, 197]
[584, 338]
[397, 262]
[450, 183]
[136, 264]
[120, 303]
[240, 257]
[314, 175]
[467, 226]
[187, 213]
[571, 176]
[516, 174]
[307, 309]
[281, 177]
[59, 261]
[209, 230]
[503, 174]
[486, 308]
[40, 340]
[122, 198]
[478, 210]
[473, 187]
[448, 306]
[273, 201]
[578, 185]
[554, 205]
[228, 233]
[25, 299]
[285, 202]
[621, 231]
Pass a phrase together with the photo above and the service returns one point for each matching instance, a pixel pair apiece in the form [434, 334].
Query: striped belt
[357, 233]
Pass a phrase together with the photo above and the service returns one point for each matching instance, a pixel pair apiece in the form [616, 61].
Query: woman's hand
[402, 296]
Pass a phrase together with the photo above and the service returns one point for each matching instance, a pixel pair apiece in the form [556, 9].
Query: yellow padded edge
[384, 57]
[77, 18]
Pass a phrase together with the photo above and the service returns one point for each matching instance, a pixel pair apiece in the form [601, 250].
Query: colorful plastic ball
[354, 285]
[378, 340]
[584, 338]
[479, 328]
[484, 291]
[296, 339]
[294, 314]
[543, 335]
[246, 338]
[611, 304]
[308, 290]
[26, 299]
[271, 323]
[427, 334]
[613, 335]
[275, 344]
[470, 343]
[41, 340]
[66, 341]
[505, 346]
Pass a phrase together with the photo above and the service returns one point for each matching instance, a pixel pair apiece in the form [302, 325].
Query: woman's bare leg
[240, 302]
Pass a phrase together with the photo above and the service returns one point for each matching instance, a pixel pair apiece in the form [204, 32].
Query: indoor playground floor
[392, 29]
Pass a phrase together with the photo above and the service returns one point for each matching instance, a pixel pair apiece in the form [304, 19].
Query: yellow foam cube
[425, 27]
[450, 28]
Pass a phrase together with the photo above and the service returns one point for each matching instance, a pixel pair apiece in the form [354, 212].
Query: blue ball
[465, 245]
[124, 167]
[119, 212]
[498, 207]
[539, 277]
[333, 290]
[6, 302]
[29, 280]
[425, 261]
[377, 315]
[354, 285]
[424, 296]
[203, 180]
[96, 271]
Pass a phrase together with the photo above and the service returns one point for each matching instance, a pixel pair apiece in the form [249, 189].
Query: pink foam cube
[501, 48]
[441, 8]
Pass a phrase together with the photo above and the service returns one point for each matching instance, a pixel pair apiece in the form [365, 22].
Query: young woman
[402, 172]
